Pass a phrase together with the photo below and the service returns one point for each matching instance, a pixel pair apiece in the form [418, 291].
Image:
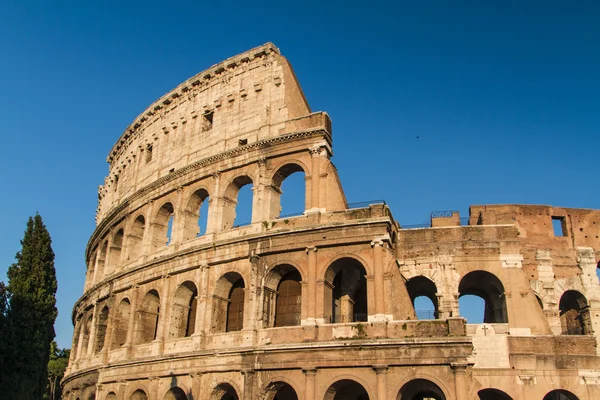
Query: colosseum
[181, 303]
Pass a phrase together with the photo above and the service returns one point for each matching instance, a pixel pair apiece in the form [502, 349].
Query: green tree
[29, 320]
[59, 359]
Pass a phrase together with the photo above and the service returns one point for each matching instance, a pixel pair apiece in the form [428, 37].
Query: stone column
[381, 371]
[311, 286]
[309, 383]
[315, 183]
[249, 375]
[377, 246]
[162, 328]
[93, 328]
[196, 385]
[214, 209]
[460, 389]
[202, 307]
[131, 325]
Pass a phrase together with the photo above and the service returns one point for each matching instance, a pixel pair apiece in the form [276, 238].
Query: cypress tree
[29, 321]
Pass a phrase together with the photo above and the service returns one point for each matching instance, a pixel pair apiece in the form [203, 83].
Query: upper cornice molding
[201, 79]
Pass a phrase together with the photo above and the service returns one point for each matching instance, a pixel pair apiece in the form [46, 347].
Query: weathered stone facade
[318, 305]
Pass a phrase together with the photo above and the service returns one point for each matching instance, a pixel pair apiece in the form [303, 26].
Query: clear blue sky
[436, 105]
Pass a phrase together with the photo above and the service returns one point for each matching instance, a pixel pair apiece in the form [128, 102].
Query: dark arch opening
[148, 317]
[183, 312]
[346, 389]
[228, 303]
[139, 395]
[289, 300]
[280, 391]
[224, 391]
[175, 393]
[420, 288]
[111, 396]
[574, 314]
[493, 394]
[345, 291]
[289, 183]
[121, 323]
[238, 199]
[560, 395]
[163, 226]
[420, 389]
[101, 329]
[489, 288]
[115, 251]
[136, 237]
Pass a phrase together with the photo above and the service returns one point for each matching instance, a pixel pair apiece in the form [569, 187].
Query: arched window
[560, 395]
[289, 191]
[346, 389]
[419, 389]
[78, 332]
[574, 314]
[280, 391]
[493, 394]
[345, 291]
[87, 329]
[91, 268]
[111, 396]
[148, 317]
[237, 207]
[139, 395]
[487, 287]
[183, 313]
[136, 237]
[282, 297]
[115, 251]
[196, 215]
[101, 329]
[100, 261]
[228, 303]
[163, 226]
[121, 322]
[422, 292]
[175, 394]
[224, 391]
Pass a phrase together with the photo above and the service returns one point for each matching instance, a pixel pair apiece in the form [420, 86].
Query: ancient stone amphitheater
[319, 305]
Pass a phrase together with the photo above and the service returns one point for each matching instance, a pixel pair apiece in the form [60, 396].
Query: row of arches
[345, 293]
[152, 231]
[344, 389]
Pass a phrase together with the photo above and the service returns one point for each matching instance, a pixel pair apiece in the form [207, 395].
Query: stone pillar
[381, 371]
[315, 183]
[252, 293]
[163, 318]
[377, 246]
[131, 325]
[460, 388]
[311, 286]
[202, 307]
[93, 328]
[249, 376]
[309, 383]
[214, 221]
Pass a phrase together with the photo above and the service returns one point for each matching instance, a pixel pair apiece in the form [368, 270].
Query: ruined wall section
[237, 102]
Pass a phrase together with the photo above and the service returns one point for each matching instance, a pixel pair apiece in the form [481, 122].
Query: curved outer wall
[318, 305]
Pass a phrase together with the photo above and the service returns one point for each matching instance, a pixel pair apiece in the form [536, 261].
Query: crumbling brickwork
[320, 305]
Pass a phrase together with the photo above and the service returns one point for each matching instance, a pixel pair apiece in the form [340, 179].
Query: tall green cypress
[29, 325]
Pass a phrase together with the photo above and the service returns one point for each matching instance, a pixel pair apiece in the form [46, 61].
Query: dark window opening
[148, 153]
[207, 121]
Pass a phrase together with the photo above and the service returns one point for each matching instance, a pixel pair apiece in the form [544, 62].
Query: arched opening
[224, 391]
[280, 391]
[121, 323]
[111, 396]
[115, 251]
[101, 329]
[148, 315]
[560, 395]
[422, 292]
[87, 329]
[487, 287]
[345, 292]
[163, 226]
[175, 393]
[100, 261]
[183, 313]
[282, 299]
[421, 389]
[493, 394]
[78, 333]
[574, 314]
[195, 216]
[237, 202]
[91, 268]
[139, 395]
[136, 237]
[289, 191]
[346, 389]
[228, 303]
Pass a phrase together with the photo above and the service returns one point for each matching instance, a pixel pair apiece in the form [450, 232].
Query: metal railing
[443, 214]
[365, 204]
